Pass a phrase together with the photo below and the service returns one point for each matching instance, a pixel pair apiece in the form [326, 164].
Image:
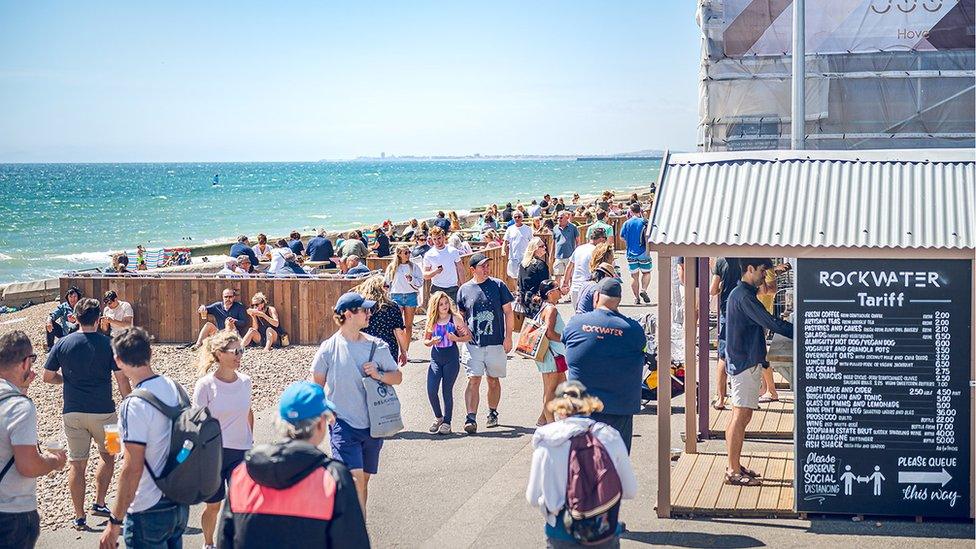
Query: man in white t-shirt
[516, 240]
[441, 265]
[578, 269]
[140, 507]
[117, 315]
[20, 462]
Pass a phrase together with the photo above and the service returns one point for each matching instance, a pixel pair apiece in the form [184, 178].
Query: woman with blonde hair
[227, 393]
[549, 476]
[533, 269]
[452, 216]
[492, 239]
[386, 320]
[405, 280]
[444, 330]
[553, 365]
[265, 330]
[459, 244]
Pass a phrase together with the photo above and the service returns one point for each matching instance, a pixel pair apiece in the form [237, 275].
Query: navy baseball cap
[478, 259]
[609, 287]
[352, 300]
[303, 400]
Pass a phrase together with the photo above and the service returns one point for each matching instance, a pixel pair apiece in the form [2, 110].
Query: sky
[263, 81]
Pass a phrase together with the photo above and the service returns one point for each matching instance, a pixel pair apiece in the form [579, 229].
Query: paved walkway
[468, 491]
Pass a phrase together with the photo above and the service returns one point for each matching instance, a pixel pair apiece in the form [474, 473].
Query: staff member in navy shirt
[296, 243]
[605, 352]
[745, 349]
[228, 314]
[243, 247]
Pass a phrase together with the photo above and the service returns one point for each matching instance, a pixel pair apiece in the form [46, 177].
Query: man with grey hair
[20, 461]
[278, 479]
[354, 266]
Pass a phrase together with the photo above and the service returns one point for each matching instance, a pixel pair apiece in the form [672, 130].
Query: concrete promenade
[468, 491]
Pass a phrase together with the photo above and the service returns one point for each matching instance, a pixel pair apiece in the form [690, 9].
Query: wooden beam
[691, 362]
[663, 386]
[704, 306]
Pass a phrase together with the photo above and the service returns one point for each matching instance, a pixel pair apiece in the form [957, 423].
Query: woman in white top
[227, 393]
[278, 258]
[405, 280]
[262, 249]
[459, 244]
[548, 478]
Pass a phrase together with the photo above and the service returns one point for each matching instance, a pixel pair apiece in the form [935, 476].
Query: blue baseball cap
[352, 300]
[303, 400]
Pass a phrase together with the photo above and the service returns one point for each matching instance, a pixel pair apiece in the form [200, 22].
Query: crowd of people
[591, 382]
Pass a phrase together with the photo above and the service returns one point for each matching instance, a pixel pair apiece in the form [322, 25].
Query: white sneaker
[444, 429]
[436, 425]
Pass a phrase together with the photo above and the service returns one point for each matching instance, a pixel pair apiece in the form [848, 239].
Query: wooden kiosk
[865, 211]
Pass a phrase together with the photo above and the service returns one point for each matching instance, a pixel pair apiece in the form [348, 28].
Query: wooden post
[691, 362]
[663, 386]
[972, 393]
[704, 388]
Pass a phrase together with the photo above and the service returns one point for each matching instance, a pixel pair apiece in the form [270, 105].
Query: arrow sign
[924, 477]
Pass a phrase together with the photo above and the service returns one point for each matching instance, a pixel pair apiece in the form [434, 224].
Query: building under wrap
[879, 74]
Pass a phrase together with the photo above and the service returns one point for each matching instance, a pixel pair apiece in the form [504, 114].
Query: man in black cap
[605, 351]
[486, 304]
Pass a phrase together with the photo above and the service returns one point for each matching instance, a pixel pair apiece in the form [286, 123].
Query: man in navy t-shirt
[228, 314]
[320, 249]
[605, 352]
[243, 247]
[83, 363]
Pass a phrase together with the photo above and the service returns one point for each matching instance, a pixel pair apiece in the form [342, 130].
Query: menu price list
[883, 411]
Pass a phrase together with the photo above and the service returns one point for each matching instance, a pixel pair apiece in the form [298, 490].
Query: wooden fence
[167, 307]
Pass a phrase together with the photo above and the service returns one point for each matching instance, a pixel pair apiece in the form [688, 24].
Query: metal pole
[798, 124]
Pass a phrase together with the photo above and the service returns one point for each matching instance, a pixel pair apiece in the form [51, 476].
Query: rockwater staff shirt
[747, 321]
[240, 248]
[605, 351]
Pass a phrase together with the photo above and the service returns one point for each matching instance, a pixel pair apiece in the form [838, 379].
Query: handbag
[532, 342]
[382, 405]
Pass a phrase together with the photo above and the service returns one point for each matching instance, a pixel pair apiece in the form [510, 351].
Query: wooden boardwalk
[698, 486]
[773, 420]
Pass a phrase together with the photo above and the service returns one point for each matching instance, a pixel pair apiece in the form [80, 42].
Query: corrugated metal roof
[922, 198]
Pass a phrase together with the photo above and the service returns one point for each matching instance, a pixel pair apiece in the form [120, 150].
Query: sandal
[718, 403]
[738, 479]
[766, 398]
[749, 472]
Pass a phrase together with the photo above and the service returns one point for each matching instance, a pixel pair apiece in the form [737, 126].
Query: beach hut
[884, 246]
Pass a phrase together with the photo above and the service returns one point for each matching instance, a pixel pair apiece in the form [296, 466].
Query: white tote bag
[383, 406]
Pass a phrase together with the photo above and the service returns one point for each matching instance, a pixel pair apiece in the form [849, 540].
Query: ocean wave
[4, 257]
[86, 257]
[320, 216]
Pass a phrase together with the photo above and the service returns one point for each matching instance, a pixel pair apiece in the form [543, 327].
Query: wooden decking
[698, 486]
[773, 420]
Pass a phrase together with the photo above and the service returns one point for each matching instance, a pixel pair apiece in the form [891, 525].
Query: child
[445, 329]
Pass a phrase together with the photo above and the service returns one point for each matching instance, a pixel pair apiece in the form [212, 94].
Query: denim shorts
[355, 447]
[405, 300]
[159, 527]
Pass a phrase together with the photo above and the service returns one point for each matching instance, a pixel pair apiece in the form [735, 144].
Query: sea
[60, 217]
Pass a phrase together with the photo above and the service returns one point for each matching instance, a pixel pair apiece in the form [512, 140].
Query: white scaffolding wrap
[879, 74]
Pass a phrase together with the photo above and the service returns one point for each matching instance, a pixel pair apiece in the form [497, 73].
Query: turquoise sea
[56, 217]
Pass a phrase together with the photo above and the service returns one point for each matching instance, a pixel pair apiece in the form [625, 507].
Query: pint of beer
[113, 441]
[203, 314]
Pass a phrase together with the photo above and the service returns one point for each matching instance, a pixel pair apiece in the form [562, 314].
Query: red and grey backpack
[593, 491]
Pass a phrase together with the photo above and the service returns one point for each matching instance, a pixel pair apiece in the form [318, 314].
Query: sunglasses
[32, 357]
[238, 351]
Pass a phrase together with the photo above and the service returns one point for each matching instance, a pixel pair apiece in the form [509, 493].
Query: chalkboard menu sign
[883, 363]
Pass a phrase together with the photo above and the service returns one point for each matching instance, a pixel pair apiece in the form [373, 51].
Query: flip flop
[766, 399]
[738, 479]
[718, 403]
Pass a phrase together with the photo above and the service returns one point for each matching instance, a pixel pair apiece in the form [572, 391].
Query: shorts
[230, 459]
[80, 428]
[745, 388]
[451, 292]
[559, 266]
[640, 263]
[405, 300]
[490, 360]
[355, 447]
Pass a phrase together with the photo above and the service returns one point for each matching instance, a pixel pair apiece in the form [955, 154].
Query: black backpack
[4, 396]
[191, 473]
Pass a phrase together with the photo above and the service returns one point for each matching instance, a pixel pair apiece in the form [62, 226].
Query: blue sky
[241, 81]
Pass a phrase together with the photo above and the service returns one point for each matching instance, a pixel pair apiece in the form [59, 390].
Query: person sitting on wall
[228, 314]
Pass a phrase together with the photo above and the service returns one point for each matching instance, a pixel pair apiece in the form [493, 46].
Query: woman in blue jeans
[405, 280]
[445, 329]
